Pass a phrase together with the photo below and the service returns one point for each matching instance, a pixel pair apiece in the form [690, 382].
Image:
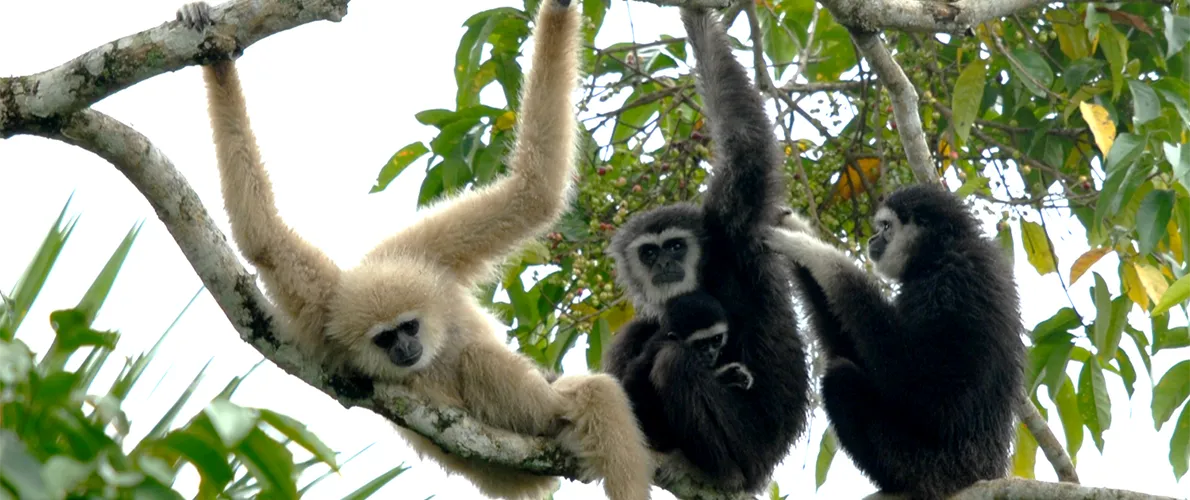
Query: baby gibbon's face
[392, 316]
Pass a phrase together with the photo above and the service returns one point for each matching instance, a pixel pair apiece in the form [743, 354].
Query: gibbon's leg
[592, 412]
[300, 278]
[647, 403]
[605, 436]
[698, 405]
[861, 420]
[481, 226]
[745, 182]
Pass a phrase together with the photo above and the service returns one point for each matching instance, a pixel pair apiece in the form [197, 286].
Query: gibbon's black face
[657, 254]
[666, 262]
[697, 320]
[401, 343]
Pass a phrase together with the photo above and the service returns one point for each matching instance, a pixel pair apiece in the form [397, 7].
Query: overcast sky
[330, 103]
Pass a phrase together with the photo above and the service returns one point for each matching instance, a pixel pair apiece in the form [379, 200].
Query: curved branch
[1046, 440]
[904, 103]
[931, 16]
[39, 102]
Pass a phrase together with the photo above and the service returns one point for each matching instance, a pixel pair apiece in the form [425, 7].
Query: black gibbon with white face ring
[407, 314]
[733, 437]
[920, 389]
[697, 323]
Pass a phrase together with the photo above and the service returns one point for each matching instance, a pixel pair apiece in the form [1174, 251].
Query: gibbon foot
[196, 15]
[734, 375]
[793, 221]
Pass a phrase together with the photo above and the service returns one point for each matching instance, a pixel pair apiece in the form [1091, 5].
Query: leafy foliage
[62, 436]
[1068, 109]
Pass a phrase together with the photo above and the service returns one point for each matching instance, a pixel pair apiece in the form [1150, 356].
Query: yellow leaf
[506, 120]
[698, 124]
[1037, 247]
[944, 153]
[1133, 287]
[1101, 125]
[618, 314]
[850, 183]
[1153, 281]
[1085, 261]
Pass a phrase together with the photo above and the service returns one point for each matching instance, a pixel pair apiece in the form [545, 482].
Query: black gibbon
[919, 389]
[733, 437]
[407, 315]
[695, 323]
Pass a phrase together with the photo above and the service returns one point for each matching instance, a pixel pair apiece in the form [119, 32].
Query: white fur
[706, 333]
[655, 296]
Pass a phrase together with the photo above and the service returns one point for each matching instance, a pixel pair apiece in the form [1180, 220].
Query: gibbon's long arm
[745, 179]
[481, 226]
[299, 276]
[870, 335]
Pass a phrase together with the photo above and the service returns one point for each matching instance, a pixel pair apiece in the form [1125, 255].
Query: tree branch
[931, 16]
[42, 101]
[904, 104]
[1027, 488]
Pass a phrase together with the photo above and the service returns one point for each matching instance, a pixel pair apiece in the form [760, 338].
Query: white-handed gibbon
[407, 313]
[733, 437]
[920, 389]
[695, 330]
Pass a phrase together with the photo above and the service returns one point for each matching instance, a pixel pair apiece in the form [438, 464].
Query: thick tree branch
[42, 101]
[904, 104]
[931, 16]
[1025, 488]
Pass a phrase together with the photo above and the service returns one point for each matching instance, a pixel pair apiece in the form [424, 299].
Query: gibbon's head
[392, 314]
[657, 255]
[912, 220]
[698, 320]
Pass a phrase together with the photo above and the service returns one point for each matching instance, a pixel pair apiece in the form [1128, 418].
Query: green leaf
[1055, 366]
[374, 485]
[1102, 311]
[827, 448]
[1064, 320]
[1115, 49]
[1171, 392]
[63, 474]
[1153, 218]
[593, 14]
[968, 92]
[397, 164]
[268, 461]
[1172, 338]
[1075, 75]
[1177, 34]
[1179, 445]
[1145, 104]
[634, 115]
[167, 419]
[19, 470]
[1178, 156]
[205, 452]
[1179, 103]
[1177, 293]
[93, 299]
[1038, 71]
[33, 279]
[235, 382]
[1072, 420]
[297, 431]
[434, 117]
[1124, 175]
[1127, 371]
[1037, 247]
[431, 187]
[600, 336]
[1094, 404]
[232, 422]
[1024, 455]
[124, 383]
[1138, 337]
[1004, 237]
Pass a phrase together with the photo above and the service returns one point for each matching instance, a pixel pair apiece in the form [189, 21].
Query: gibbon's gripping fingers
[469, 232]
[300, 278]
[505, 390]
[793, 221]
[734, 375]
[605, 435]
[746, 180]
[823, 261]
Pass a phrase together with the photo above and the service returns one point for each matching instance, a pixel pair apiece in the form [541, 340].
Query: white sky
[330, 103]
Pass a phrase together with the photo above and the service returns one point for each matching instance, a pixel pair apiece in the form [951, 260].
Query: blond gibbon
[407, 315]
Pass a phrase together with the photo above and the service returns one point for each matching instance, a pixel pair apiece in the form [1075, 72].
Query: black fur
[920, 390]
[735, 437]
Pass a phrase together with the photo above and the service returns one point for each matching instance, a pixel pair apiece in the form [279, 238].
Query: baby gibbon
[406, 315]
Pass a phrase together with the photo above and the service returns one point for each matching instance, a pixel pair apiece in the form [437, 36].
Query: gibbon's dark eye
[648, 253]
[386, 339]
[409, 328]
[674, 245]
[883, 225]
